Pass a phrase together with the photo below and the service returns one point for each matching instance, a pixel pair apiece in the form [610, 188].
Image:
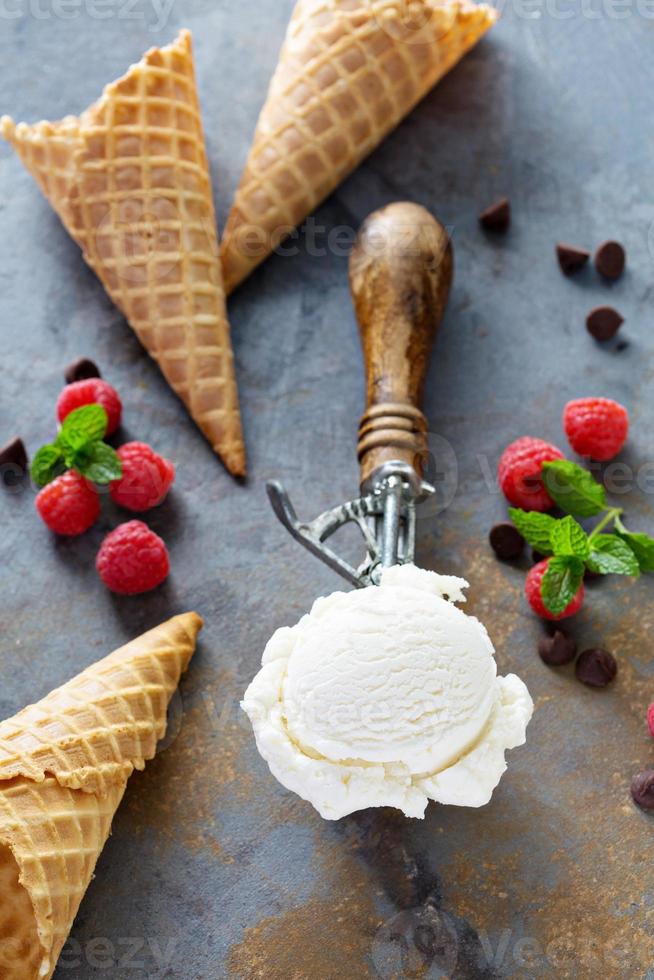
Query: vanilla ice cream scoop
[387, 696]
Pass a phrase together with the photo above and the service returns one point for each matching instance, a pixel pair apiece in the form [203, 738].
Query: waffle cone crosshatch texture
[64, 767]
[130, 180]
[348, 73]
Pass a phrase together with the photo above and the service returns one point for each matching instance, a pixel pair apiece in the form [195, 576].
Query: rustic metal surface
[213, 869]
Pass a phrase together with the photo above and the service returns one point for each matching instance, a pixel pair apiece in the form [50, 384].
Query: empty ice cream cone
[64, 766]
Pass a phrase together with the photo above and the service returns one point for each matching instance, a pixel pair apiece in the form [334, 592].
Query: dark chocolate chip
[14, 454]
[642, 789]
[571, 259]
[497, 217]
[506, 541]
[13, 463]
[557, 650]
[610, 260]
[603, 322]
[596, 667]
[81, 370]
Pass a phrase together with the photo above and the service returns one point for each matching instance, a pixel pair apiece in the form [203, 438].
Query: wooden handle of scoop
[400, 276]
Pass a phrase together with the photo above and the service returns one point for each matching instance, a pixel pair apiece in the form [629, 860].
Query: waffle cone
[129, 178]
[349, 72]
[64, 766]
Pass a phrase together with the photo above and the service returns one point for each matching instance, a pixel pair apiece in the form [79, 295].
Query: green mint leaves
[561, 582]
[47, 464]
[610, 555]
[572, 550]
[101, 464]
[536, 528]
[641, 545]
[569, 540]
[573, 488]
[79, 446]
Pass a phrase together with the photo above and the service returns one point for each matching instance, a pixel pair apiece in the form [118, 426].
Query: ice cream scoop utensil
[400, 276]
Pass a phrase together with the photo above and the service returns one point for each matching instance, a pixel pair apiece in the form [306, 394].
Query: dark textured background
[213, 869]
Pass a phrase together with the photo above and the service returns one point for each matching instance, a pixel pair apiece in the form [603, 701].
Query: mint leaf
[46, 465]
[573, 488]
[535, 528]
[100, 464]
[561, 583]
[569, 538]
[641, 545]
[82, 427]
[610, 555]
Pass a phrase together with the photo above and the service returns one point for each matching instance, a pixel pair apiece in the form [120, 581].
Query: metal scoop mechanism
[400, 276]
[386, 517]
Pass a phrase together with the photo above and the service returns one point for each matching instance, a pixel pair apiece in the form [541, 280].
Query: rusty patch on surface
[198, 763]
[327, 937]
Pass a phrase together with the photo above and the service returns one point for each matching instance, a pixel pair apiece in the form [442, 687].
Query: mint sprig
[573, 488]
[79, 446]
[608, 549]
[561, 582]
[610, 555]
[641, 544]
[569, 540]
[102, 464]
[536, 528]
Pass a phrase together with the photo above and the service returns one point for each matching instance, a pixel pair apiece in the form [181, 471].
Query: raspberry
[146, 480]
[94, 391]
[69, 505]
[132, 559]
[650, 718]
[535, 599]
[596, 427]
[519, 472]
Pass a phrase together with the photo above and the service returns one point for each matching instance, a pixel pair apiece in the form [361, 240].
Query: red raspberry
[535, 599]
[596, 427]
[650, 718]
[93, 391]
[69, 505]
[132, 559]
[146, 480]
[520, 476]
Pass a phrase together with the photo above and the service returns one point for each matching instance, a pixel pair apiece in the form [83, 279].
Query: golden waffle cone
[349, 72]
[64, 766]
[130, 180]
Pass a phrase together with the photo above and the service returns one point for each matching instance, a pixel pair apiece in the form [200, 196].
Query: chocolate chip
[497, 217]
[610, 260]
[557, 650]
[13, 462]
[506, 541]
[80, 370]
[14, 453]
[571, 259]
[642, 789]
[603, 322]
[596, 667]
